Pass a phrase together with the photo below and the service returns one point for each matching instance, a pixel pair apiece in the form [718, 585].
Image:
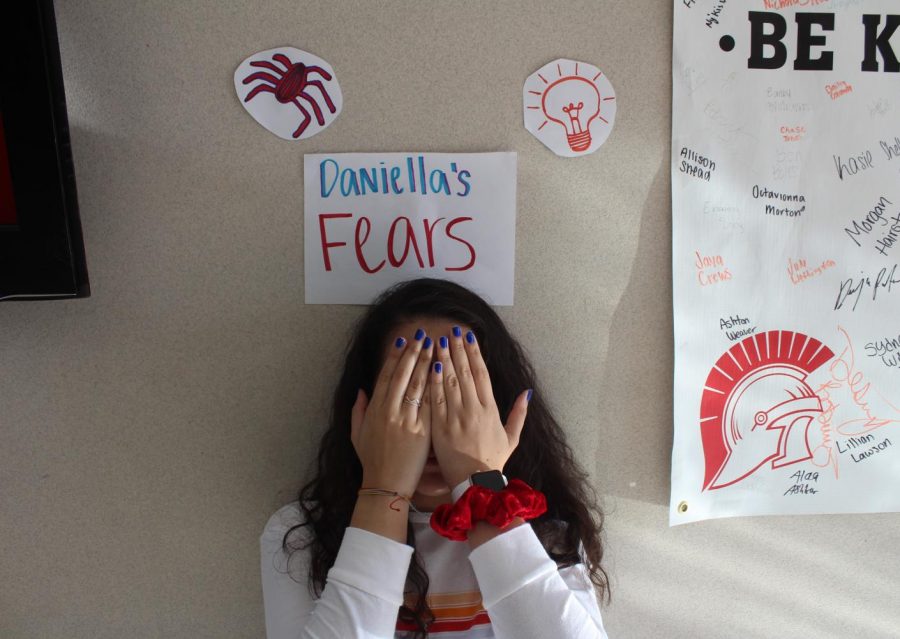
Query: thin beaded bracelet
[388, 493]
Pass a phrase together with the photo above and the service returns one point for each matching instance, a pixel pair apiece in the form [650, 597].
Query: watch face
[492, 479]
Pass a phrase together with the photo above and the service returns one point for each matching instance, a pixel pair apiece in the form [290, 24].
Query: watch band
[463, 486]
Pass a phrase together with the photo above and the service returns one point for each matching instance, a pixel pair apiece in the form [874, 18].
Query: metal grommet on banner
[682, 507]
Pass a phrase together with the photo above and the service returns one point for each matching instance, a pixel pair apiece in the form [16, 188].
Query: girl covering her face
[435, 388]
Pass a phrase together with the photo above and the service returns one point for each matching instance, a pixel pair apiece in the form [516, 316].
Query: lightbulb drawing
[577, 102]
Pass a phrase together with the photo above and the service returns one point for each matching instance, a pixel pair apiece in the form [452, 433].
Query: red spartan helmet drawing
[757, 406]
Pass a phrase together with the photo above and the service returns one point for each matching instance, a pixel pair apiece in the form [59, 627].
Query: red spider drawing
[290, 85]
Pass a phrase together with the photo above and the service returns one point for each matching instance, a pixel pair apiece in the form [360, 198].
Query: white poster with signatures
[786, 257]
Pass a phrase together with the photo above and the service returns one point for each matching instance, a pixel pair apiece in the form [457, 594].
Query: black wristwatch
[493, 479]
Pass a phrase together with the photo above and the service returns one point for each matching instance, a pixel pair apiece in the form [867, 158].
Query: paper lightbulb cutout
[577, 98]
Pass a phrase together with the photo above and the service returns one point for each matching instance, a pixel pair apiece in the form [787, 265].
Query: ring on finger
[414, 402]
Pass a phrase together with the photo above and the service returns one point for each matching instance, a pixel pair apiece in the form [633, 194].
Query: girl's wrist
[457, 478]
[397, 497]
[371, 481]
[393, 502]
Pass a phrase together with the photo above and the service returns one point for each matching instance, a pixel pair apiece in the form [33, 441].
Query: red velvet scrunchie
[479, 503]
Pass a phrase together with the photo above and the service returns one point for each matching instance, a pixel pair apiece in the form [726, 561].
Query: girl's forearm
[484, 531]
[376, 514]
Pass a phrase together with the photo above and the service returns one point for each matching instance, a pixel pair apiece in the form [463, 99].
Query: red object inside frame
[7, 202]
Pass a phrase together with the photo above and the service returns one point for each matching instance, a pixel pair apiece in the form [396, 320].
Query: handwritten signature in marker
[844, 379]
[843, 372]
[854, 287]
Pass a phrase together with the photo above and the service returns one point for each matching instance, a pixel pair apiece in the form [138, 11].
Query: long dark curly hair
[542, 458]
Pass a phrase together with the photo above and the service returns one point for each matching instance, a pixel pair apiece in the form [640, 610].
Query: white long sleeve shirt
[508, 589]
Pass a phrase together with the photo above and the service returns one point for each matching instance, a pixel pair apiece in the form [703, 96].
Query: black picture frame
[42, 254]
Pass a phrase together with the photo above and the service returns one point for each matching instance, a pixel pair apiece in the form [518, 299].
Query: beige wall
[147, 433]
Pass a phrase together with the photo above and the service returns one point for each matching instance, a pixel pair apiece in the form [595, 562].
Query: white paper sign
[375, 219]
[292, 93]
[786, 258]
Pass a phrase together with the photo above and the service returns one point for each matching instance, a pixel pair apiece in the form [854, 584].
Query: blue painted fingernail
[443, 342]
[528, 397]
[420, 334]
[456, 331]
[470, 337]
[426, 343]
[400, 342]
[437, 367]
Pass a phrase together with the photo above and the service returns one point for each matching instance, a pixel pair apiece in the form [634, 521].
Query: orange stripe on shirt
[454, 611]
[444, 599]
